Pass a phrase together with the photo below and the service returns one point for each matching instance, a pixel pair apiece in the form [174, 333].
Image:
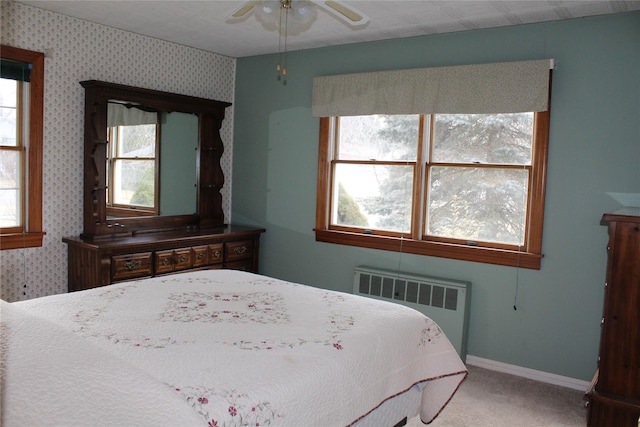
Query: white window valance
[123, 115]
[506, 87]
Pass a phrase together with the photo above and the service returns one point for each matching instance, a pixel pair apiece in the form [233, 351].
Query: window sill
[443, 250]
[21, 240]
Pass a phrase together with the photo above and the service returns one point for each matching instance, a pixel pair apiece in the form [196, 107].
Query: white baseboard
[531, 374]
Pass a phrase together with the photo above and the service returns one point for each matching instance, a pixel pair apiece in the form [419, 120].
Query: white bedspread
[243, 349]
[52, 378]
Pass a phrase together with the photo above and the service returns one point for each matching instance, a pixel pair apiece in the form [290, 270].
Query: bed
[221, 348]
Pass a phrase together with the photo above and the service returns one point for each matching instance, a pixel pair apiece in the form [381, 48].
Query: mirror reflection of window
[132, 161]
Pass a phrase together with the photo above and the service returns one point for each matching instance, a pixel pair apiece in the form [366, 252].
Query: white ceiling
[201, 24]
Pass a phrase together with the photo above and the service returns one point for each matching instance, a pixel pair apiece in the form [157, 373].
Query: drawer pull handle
[201, 255]
[165, 261]
[183, 258]
[133, 265]
[216, 254]
[240, 250]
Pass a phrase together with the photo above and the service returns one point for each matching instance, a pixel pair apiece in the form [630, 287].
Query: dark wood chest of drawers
[100, 263]
[614, 399]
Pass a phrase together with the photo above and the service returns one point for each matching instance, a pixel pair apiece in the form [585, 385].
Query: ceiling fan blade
[242, 11]
[343, 11]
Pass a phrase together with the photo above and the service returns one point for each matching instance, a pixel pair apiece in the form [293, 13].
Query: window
[21, 120]
[11, 153]
[462, 186]
[132, 170]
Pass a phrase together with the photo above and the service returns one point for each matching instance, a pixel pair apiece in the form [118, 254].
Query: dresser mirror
[169, 179]
[151, 161]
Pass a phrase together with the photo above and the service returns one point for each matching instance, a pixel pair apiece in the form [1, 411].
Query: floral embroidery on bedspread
[337, 324]
[430, 334]
[239, 408]
[256, 307]
[253, 307]
[85, 320]
[112, 293]
[266, 308]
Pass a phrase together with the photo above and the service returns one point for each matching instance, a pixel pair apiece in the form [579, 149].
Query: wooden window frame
[31, 233]
[527, 256]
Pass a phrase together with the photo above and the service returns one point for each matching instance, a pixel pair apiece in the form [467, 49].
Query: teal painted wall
[594, 150]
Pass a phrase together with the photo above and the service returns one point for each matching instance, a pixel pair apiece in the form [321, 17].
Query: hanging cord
[286, 33]
[281, 68]
[25, 225]
[400, 254]
[406, 196]
[515, 297]
[24, 263]
[278, 67]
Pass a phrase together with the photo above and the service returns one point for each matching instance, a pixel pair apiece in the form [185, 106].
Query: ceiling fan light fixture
[302, 9]
[292, 17]
[301, 14]
[267, 12]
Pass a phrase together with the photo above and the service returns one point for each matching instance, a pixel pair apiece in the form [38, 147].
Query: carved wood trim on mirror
[210, 177]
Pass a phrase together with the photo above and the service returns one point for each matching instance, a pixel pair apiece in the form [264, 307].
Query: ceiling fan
[291, 17]
[301, 11]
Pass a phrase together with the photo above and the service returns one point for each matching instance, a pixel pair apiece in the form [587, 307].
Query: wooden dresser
[99, 263]
[128, 244]
[614, 399]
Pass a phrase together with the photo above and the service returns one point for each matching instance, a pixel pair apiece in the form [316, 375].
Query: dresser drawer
[174, 260]
[131, 266]
[200, 256]
[164, 262]
[241, 249]
[183, 258]
[216, 253]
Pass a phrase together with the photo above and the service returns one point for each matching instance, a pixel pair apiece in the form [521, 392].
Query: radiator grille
[445, 301]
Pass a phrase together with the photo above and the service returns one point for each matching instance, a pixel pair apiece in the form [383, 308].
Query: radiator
[445, 301]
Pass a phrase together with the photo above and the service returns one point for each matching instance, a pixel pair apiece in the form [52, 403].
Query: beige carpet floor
[494, 399]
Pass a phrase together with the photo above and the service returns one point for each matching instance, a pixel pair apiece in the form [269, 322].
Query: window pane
[378, 137]
[8, 128]
[137, 141]
[8, 108]
[373, 196]
[134, 182]
[10, 203]
[483, 138]
[8, 93]
[477, 204]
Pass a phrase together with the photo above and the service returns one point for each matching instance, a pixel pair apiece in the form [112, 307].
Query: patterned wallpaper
[79, 50]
